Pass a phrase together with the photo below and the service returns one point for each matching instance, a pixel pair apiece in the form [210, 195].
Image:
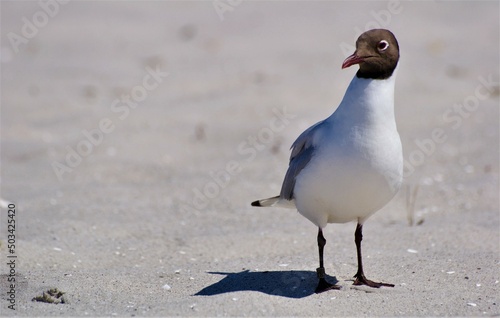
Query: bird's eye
[382, 45]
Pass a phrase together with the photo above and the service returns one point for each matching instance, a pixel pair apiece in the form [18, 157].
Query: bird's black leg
[360, 276]
[323, 285]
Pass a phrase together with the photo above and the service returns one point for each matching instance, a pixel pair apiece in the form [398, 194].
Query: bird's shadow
[290, 284]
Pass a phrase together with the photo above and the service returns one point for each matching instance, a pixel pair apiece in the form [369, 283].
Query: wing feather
[302, 151]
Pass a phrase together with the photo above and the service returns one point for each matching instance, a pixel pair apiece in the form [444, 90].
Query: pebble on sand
[167, 287]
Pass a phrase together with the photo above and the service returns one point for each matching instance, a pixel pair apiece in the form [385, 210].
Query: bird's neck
[367, 101]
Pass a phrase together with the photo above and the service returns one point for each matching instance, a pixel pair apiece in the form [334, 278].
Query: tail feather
[266, 202]
[275, 201]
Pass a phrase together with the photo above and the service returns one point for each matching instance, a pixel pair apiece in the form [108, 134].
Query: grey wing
[302, 151]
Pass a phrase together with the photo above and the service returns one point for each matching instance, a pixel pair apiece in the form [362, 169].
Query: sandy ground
[134, 136]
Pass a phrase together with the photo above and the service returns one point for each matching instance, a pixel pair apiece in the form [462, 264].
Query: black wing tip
[256, 203]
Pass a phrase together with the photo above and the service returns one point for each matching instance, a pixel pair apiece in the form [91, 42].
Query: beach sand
[134, 136]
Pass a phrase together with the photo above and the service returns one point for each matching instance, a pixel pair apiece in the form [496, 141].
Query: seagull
[349, 165]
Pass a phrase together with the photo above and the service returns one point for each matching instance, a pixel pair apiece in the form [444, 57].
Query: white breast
[357, 166]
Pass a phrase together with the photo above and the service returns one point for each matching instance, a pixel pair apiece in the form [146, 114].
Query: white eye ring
[382, 45]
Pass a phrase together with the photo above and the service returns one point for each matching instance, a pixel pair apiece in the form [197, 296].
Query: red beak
[351, 60]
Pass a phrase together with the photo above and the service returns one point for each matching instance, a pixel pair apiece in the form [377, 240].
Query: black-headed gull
[348, 166]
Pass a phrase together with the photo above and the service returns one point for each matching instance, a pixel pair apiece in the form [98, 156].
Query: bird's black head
[377, 53]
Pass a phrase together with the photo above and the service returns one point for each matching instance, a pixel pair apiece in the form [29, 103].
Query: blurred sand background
[147, 223]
